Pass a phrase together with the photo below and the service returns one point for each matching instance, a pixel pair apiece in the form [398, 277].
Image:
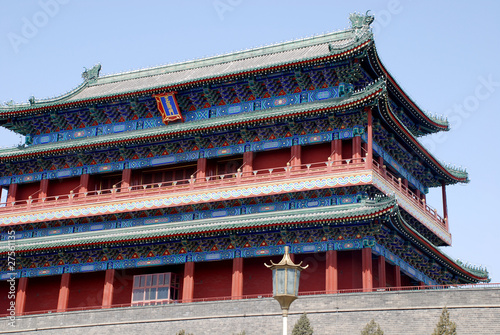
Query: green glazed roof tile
[204, 69]
[248, 117]
[297, 216]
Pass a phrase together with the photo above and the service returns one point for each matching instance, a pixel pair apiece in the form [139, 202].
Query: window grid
[155, 289]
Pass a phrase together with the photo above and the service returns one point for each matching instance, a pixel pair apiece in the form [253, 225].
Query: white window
[155, 289]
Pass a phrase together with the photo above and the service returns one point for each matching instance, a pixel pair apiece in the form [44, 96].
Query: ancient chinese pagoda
[177, 183]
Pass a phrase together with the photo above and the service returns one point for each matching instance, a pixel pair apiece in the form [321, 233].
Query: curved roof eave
[338, 213]
[449, 174]
[432, 125]
[328, 46]
[410, 232]
[11, 110]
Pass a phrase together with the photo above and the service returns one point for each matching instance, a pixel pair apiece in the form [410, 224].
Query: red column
[381, 166]
[62, 301]
[296, 159]
[445, 204]
[397, 276]
[201, 168]
[382, 277]
[247, 163]
[405, 183]
[188, 284]
[11, 196]
[84, 184]
[107, 294]
[237, 282]
[126, 179]
[366, 264]
[44, 188]
[22, 285]
[381, 162]
[332, 283]
[369, 149]
[356, 149]
[337, 152]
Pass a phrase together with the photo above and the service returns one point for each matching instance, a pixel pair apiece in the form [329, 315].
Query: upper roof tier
[244, 64]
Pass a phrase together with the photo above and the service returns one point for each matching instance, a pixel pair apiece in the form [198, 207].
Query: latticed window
[177, 173]
[155, 289]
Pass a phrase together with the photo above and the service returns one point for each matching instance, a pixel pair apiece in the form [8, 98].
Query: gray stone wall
[476, 311]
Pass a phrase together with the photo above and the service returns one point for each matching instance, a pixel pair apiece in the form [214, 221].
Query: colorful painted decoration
[167, 105]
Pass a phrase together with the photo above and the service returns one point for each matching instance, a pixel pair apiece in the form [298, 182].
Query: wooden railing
[177, 186]
[238, 178]
[397, 184]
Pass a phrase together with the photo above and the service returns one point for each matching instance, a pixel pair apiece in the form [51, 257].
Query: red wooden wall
[316, 153]
[347, 149]
[85, 289]
[42, 293]
[376, 281]
[25, 190]
[122, 285]
[63, 186]
[271, 159]
[4, 299]
[312, 278]
[349, 274]
[213, 279]
[405, 280]
[257, 279]
[389, 272]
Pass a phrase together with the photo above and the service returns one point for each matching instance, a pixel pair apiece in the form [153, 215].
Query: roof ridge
[349, 34]
[259, 51]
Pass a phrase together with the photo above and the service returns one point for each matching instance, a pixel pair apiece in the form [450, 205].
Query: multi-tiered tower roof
[196, 169]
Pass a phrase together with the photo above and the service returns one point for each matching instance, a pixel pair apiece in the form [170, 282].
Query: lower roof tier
[375, 223]
[248, 185]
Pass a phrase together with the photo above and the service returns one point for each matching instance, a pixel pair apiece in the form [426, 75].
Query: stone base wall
[475, 311]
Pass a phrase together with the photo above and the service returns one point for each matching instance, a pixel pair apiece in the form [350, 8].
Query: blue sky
[443, 53]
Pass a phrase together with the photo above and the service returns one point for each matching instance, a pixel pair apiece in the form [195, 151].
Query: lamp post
[286, 276]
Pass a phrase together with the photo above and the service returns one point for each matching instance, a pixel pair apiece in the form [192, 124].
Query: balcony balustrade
[327, 169]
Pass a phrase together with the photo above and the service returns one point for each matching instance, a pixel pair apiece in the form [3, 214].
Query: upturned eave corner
[449, 174]
[472, 273]
[428, 124]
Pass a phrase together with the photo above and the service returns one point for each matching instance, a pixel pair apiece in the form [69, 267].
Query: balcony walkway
[329, 174]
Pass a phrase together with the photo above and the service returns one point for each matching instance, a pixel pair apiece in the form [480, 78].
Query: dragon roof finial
[360, 20]
[91, 74]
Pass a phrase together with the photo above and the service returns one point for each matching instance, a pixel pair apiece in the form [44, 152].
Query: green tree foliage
[183, 332]
[372, 328]
[445, 326]
[302, 326]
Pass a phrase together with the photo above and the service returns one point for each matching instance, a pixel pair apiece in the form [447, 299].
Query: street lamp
[286, 276]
